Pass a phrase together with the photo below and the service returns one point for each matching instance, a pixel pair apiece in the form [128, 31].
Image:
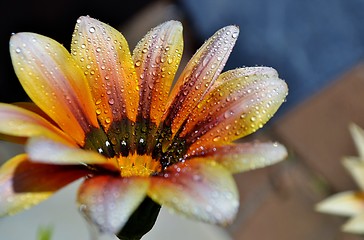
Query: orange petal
[45, 150]
[156, 58]
[108, 201]
[244, 156]
[235, 108]
[105, 59]
[24, 184]
[199, 189]
[18, 122]
[54, 82]
[199, 75]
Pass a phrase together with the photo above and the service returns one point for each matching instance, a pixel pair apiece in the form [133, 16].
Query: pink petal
[103, 54]
[45, 150]
[199, 189]
[156, 58]
[238, 106]
[199, 75]
[108, 201]
[19, 122]
[24, 184]
[244, 156]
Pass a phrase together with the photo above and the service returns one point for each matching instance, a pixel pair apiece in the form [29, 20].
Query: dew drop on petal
[91, 29]
[138, 63]
[98, 101]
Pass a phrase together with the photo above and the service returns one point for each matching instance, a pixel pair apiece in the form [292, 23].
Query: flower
[108, 116]
[350, 203]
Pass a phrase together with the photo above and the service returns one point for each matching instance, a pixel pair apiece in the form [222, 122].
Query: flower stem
[141, 221]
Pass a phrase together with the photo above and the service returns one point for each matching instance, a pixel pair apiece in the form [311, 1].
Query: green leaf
[45, 233]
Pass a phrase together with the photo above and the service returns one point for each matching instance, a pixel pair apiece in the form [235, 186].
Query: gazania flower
[108, 116]
[350, 203]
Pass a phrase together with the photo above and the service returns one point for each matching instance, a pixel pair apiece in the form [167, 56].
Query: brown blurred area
[276, 202]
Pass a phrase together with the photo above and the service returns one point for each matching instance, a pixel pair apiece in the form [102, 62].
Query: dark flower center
[138, 149]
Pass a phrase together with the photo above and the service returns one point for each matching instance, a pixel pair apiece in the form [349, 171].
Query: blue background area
[310, 43]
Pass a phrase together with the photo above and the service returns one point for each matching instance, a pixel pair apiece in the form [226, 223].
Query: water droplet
[108, 120]
[91, 29]
[235, 35]
[98, 111]
[196, 178]
[138, 63]
[111, 101]
[217, 138]
[18, 50]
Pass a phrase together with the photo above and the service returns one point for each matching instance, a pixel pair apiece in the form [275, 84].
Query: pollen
[138, 165]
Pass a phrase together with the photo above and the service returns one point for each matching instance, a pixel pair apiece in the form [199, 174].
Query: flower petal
[235, 108]
[197, 188]
[156, 58]
[358, 135]
[19, 122]
[199, 75]
[244, 72]
[45, 150]
[54, 82]
[105, 59]
[245, 156]
[24, 184]
[30, 106]
[344, 204]
[355, 224]
[108, 201]
[356, 168]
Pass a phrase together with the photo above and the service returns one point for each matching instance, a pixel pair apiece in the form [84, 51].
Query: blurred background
[317, 47]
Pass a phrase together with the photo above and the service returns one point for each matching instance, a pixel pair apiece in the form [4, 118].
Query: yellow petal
[105, 59]
[45, 150]
[199, 75]
[24, 184]
[235, 108]
[54, 82]
[244, 156]
[244, 72]
[344, 204]
[156, 58]
[358, 135]
[199, 189]
[19, 122]
[356, 168]
[355, 224]
[108, 201]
